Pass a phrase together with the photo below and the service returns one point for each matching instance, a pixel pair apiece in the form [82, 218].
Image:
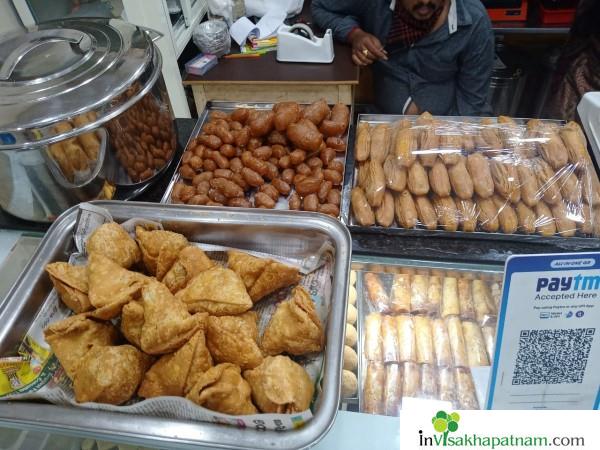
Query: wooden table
[266, 80]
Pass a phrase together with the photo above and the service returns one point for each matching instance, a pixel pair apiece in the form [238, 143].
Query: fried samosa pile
[155, 316]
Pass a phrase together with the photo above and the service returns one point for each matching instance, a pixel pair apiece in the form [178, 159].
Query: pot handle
[34, 40]
[154, 35]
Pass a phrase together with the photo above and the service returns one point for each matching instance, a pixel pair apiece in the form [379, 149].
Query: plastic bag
[221, 9]
[259, 8]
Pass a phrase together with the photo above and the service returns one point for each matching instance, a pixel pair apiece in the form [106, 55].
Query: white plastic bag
[221, 8]
[259, 8]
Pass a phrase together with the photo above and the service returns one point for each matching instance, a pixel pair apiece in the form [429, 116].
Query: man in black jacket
[427, 55]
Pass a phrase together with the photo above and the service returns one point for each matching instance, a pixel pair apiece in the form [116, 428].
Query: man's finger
[362, 57]
[356, 60]
[367, 56]
[375, 48]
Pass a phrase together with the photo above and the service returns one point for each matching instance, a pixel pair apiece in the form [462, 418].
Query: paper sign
[548, 341]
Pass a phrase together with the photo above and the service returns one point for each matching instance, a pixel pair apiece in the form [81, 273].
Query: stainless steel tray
[242, 228]
[229, 107]
[576, 243]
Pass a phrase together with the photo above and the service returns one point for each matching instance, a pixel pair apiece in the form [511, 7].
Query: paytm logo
[578, 283]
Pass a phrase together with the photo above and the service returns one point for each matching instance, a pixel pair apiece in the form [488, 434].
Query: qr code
[552, 356]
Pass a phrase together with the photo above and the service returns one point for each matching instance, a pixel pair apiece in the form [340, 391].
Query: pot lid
[71, 68]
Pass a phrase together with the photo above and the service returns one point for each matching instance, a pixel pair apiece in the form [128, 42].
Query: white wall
[9, 20]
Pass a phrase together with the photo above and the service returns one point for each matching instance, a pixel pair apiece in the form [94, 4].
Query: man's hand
[366, 48]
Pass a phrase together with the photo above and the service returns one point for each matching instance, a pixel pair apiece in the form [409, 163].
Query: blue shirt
[446, 73]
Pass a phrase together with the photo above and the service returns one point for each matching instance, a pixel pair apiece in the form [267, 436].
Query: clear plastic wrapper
[447, 384]
[401, 294]
[466, 398]
[434, 294]
[373, 344]
[476, 350]
[450, 302]
[392, 391]
[411, 379]
[407, 345]
[429, 381]
[465, 298]
[482, 301]
[496, 293]
[479, 174]
[441, 343]
[457, 341]
[424, 340]
[489, 337]
[389, 338]
[372, 398]
[419, 299]
[376, 292]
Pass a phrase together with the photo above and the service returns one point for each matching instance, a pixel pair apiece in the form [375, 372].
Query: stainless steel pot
[83, 110]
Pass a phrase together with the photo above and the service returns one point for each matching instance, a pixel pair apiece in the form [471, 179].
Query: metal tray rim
[154, 430]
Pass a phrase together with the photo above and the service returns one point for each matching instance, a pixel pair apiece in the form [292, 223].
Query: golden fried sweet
[167, 323]
[234, 339]
[71, 338]
[109, 374]
[190, 262]
[222, 389]
[111, 286]
[295, 327]
[217, 291]
[159, 249]
[112, 241]
[279, 385]
[71, 284]
[261, 276]
[172, 373]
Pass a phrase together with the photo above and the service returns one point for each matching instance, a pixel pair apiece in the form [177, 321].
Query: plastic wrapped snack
[424, 340]
[373, 343]
[411, 379]
[450, 302]
[389, 338]
[447, 384]
[476, 174]
[376, 292]
[374, 387]
[429, 382]
[465, 389]
[434, 294]
[482, 301]
[401, 294]
[407, 346]
[457, 341]
[489, 336]
[465, 299]
[441, 343]
[392, 391]
[419, 300]
[476, 349]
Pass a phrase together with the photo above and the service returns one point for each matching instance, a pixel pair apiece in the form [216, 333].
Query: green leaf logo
[445, 423]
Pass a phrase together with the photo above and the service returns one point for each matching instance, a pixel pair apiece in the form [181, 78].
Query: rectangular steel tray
[562, 243]
[230, 106]
[258, 230]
